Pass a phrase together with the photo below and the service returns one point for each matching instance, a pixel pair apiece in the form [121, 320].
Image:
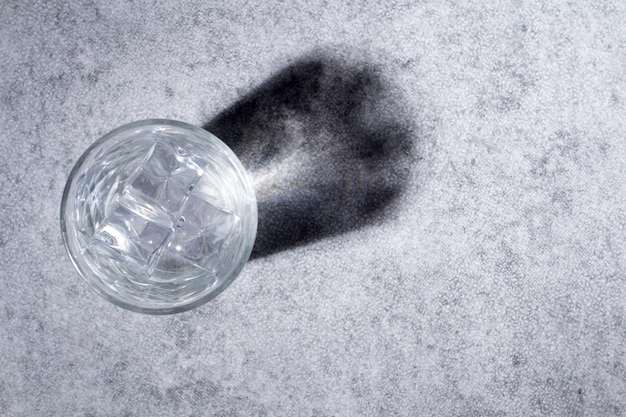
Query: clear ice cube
[147, 185]
[153, 237]
[226, 226]
[216, 223]
[205, 215]
[187, 257]
[178, 186]
[166, 178]
[199, 236]
[162, 160]
[129, 238]
[189, 245]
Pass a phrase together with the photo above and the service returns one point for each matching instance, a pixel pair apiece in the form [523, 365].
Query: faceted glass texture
[159, 216]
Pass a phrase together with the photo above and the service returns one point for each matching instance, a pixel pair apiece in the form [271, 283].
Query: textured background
[485, 278]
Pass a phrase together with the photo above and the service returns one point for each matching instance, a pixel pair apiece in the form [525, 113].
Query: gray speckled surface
[494, 285]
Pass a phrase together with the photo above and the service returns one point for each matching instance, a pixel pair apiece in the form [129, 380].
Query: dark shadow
[326, 146]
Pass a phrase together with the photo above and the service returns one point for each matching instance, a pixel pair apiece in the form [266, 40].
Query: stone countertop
[442, 207]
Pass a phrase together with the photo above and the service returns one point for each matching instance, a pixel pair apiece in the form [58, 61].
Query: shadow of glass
[326, 146]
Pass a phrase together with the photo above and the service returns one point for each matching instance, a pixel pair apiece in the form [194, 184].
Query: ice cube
[167, 158]
[201, 213]
[152, 237]
[162, 160]
[187, 246]
[226, 226]
[111, 245]
[146, 184]
[217, 224]
[187, 243]
[166, 178]
[115, 237]
[129, 237]
[178, 186]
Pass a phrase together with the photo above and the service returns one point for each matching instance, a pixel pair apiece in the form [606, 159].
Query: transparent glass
[159, 216]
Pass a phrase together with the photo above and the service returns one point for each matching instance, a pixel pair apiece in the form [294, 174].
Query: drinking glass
[158, 216]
